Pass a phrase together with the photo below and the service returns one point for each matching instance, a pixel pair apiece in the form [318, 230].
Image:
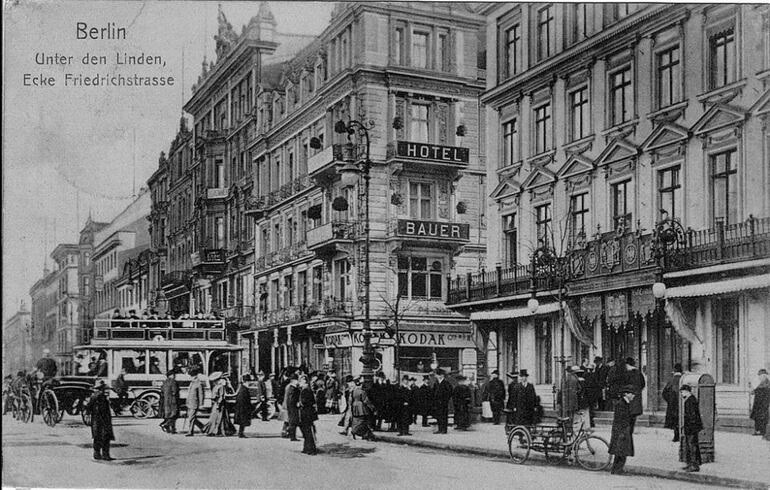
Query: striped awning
[508, 313]
[719, 287]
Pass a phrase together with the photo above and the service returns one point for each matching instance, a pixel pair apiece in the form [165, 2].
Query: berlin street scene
[430, 245]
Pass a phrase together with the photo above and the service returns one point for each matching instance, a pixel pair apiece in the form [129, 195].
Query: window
[302, 288]
[219, 223]
[277, 239]
[416, 280]
[288, 291]
[581, 19]
[512, 50]
[398, 46]
[613, 12]
[668, 191]
[419, 129]
[510, 143]
[545, 33]
[621, 96]
[724, 187]
[669, 82]
[579, 214]
[542, 128]
[420, 49]
[219, 174]
[721, 58]
[342, 279]
[621, 205]
[543, 223]
[543, 346]
[509, 240]
[580, 114]
[725, 317]
[421, 200]
[318, 284]
[265, 241]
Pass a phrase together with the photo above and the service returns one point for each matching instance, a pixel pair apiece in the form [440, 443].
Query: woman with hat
[219, 420]
[101, 421]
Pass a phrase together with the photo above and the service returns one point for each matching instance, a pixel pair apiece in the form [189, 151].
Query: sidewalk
[741, 460]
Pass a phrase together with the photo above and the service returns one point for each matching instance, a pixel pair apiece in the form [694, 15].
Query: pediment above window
[718, 117]
[762, 106]
[574, 166]
[617, 150]
[665, 135]
[505, 189]
[539, 177]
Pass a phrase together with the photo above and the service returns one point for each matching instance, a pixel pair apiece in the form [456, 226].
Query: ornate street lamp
[349, 176]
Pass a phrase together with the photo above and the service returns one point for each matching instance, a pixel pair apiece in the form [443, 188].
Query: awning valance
[719, 287]
[508, 313]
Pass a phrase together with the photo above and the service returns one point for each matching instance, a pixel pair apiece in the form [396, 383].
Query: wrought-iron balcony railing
[208, 256]
[144, 329]
[723, 243]
[495, 283]
[329, 307]
[330, 232]
[175, 277]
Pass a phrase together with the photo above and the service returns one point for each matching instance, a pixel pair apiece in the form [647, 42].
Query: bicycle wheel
[50, 408]
[593, 453]
[519, 444]
[25, 409]
[140, 409]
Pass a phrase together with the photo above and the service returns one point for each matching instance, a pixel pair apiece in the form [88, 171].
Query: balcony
[325, 161]
[209, 260]
[329, 234]
[286, 191]
[486, 285]
[217, 193]
[451, 156]
[240, 315]
[433, 231]
[722, 244]
[150, 330]
[279, 317]
[175, 277]
[329, 307]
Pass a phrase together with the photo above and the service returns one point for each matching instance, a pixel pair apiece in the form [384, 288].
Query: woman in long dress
[219, 421]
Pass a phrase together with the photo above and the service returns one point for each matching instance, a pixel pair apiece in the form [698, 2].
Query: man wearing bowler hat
[622, 438]
[494, 393]
[442, 392]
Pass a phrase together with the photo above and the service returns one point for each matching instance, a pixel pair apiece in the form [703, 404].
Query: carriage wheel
[25, 409]
[140, 409]
[153, 404]
[519, 444]
[50, 408]
[593, 453]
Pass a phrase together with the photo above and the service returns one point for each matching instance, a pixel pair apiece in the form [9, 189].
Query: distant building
[87, 279]
[44, 314]
[66, 257]
[17, 342]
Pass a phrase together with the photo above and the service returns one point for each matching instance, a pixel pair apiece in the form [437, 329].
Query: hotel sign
[434, 153]
[433, 229]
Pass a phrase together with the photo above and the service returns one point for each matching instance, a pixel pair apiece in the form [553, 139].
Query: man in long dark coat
[403, 404]
[622, 438]
[525, 401]
[513, 396]
[308, 414]
[601, 369]
[759, 411]
[636, 379]
[692, 425]
[261, 395]
[671, 395]
[494, 393]
[442, 393]
[421, 401]
[243, 408]
[462, 399]
[101, 421]
[169, 402]
[291, 402]
[194, 402]
[377, 396]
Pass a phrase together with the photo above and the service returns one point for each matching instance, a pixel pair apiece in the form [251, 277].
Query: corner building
[410, 73]
[604, 122]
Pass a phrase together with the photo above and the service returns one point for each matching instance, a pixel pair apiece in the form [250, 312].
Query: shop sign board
[433, 153]
[405, 339]
[433, 229]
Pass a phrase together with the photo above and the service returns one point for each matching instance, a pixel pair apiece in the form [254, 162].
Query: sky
[70, 151]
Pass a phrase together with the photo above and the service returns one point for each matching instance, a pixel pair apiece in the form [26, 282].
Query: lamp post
[554, 266]
[349, 174]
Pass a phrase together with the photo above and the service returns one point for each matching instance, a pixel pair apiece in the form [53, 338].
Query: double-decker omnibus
[144, 350]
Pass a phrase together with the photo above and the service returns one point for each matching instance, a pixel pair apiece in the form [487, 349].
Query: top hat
[523, 373]
[440, 372]
[761, 371]
[678, 367]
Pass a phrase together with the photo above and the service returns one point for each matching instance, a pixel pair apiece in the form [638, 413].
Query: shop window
[420, 278]
[724, 187]
[621, 205]
[419, 359]
[544, 351]
[725, 313]
[669, 189]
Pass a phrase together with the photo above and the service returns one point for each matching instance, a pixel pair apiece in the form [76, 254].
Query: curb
[635, 470]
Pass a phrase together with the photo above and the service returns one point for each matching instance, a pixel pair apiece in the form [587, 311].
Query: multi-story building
[604, 122]
[17, 342]
[116, 248]
[66, 258]
[86, 280]
[410, 73]
[43, 312]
